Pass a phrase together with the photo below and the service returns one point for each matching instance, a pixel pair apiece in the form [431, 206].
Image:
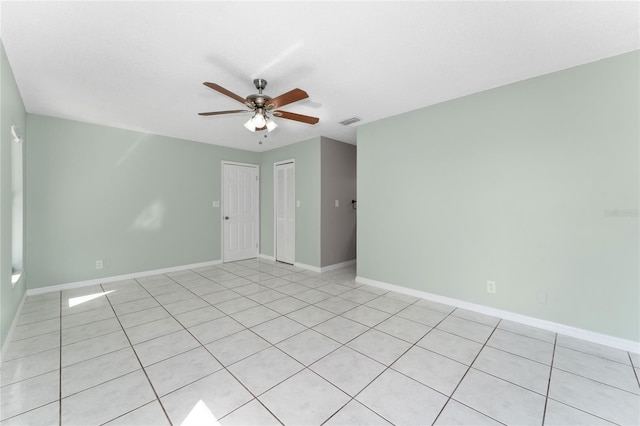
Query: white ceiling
[141, 65]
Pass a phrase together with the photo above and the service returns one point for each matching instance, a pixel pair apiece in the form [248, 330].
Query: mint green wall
[307, 156]
[513, 185]
[136, 201]
[141, 202]
[11, 111]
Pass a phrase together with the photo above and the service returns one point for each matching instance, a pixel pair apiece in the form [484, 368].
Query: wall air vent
[350, 121]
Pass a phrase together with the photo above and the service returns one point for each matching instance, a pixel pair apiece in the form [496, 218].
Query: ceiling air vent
[350, 121]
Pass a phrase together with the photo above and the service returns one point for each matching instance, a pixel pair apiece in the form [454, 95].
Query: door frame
[235, 163]
[275, 205]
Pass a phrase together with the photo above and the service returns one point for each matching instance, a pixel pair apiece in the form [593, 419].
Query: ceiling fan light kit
[257, 123]
[263, 105]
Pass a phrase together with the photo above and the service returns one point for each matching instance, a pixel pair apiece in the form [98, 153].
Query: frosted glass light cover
[271, 124]
[250, 126]
[258, 120]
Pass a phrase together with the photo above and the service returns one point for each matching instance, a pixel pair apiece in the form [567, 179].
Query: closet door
[285, 194]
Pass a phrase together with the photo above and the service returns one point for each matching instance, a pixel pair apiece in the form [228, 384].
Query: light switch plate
[216, 204]
[337, 203]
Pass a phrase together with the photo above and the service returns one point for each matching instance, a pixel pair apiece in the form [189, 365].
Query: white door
[240, 211]
[285, 194]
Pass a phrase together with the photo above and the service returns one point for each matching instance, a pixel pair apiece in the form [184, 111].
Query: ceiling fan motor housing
[258, 100]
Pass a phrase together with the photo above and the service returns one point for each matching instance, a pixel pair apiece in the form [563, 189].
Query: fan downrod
[260, 84]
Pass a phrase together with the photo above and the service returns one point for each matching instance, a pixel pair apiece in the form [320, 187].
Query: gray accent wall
[11, 111]
[307, 156]
[534, 185]
[338, 176]
[136, 201]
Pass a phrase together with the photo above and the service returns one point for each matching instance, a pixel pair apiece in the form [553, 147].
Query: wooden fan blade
[291, 96]
[223, 112]
[224, 91]
[297, 117]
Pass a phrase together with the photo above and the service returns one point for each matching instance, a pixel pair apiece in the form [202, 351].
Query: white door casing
[285, 211]
[240, 211]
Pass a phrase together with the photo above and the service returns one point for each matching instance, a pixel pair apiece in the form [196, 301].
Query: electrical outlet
[99, 264]
[491, 286]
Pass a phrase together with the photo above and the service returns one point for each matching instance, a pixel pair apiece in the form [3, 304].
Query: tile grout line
[450, 397]
[198, 296]
[546, 399]
[593, 354]
[272, 345]
[306, 327]
[359, 304]
[201, 344]
[633, 367]
[591, 379]
[39, 375]
[224, 367]
[387, 367]
[209, 303]
[292, 296]
[335, 315]
[35, 335]
[212, 355]
[141, 367]
[568, 372]
[60, 369]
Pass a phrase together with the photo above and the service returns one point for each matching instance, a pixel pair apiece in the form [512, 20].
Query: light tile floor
[260, 343]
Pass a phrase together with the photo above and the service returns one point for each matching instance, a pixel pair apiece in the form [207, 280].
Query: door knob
[226, 218]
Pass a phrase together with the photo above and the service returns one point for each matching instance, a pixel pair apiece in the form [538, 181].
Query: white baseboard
[299, 265]
[313, 268]
[591, 336]
[309, 267]
[14, 323]
[338, 265]
[325, 268]
[78, 284]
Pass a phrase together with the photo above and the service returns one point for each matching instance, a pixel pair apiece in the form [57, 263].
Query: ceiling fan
[262, 106]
